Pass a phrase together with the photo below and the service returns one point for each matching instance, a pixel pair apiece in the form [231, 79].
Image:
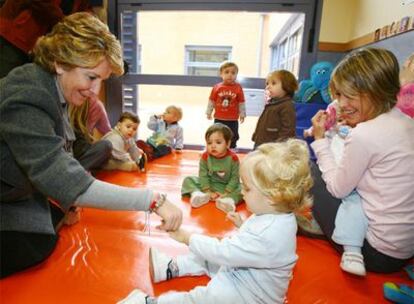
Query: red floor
[103, 257]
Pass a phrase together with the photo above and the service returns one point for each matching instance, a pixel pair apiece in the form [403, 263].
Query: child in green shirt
[218, 178]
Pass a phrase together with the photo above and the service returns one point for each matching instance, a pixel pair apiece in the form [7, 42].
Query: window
[286, 48]
[205, 60]
[181, 44]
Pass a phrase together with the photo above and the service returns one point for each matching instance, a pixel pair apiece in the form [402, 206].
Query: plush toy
[305, 92]
[318, 84]
[333, 122]
[406, 99]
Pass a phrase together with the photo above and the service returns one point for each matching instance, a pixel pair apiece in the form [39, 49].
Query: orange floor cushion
[104, 256]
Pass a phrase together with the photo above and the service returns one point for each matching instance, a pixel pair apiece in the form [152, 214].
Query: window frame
[311, 8]
[203, 64]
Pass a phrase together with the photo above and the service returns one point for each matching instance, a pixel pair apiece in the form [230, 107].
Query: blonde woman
[36, 142]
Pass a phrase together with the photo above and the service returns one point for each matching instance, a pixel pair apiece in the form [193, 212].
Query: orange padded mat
[104, 256]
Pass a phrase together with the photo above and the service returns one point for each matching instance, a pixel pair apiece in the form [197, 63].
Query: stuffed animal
[317, 85]
[331, 119]
[406, 99]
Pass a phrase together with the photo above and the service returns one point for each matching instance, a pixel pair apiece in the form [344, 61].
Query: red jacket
[23, 21]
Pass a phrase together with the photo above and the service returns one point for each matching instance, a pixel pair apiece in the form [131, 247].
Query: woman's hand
[181, 236]
[171, 215]
[318, 124]
[235, 218]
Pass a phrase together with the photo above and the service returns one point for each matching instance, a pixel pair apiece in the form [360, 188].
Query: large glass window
[286, 47]
[205, 60]
[193, 101]
[180, 46]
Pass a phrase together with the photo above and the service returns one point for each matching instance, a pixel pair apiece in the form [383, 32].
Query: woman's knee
[376, 261]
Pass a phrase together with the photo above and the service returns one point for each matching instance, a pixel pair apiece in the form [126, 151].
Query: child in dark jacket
[278, 119]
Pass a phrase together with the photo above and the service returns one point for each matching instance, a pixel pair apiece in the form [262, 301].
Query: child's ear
[228, 144]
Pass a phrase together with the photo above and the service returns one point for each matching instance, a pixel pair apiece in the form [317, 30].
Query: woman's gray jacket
[34, 165]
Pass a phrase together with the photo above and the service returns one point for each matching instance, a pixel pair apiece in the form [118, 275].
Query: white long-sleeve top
[122, 149]
[172, 132]
[378, 160]
[258, 260]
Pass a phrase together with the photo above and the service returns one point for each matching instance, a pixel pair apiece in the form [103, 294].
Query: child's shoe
[199, 199]
[162, 267]
[142, 164]
[226, 204]
[353, 262]
[135, 297]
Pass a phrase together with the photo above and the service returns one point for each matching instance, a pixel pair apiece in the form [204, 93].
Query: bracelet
[158, 203]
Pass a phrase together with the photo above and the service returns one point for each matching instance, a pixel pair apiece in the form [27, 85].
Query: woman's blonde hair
[79, 40]
[78, 117]
[281, 171]
[369, 72]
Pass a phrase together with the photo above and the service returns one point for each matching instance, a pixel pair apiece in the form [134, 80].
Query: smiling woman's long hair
[370, 72]
[79, 40]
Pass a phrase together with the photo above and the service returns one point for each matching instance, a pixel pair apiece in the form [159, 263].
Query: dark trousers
[92, 156]
[151, 151]
[234, 127]
[324, 210]
[21, 250]
[10, 57]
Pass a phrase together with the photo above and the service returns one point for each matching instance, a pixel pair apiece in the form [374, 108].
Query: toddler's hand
[307, 133]
[235, 218]
[181, 236]
[241, 119]
[209, 116]
[171, 215]
[214, 195]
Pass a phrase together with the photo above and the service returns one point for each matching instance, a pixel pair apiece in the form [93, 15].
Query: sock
[352, 249]
[150, 300]
[172, 270]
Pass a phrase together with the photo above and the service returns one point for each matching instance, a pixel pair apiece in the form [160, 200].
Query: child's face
[256, 201]
[229, 74]
[217, 145]
[169, 116]
[274, 87]
[128, 128]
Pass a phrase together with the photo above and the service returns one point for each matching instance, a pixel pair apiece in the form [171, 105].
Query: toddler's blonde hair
[281, 171]
[177, 110]
[228, 64]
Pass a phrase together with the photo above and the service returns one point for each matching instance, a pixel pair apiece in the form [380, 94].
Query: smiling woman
[36, 139]
[377, 162]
